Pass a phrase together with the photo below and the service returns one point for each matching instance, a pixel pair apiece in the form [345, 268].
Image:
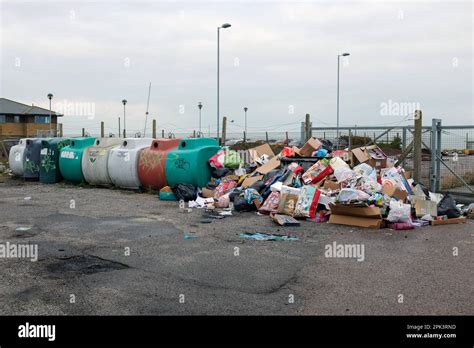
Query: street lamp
[200, 107]
[245, 110]
[50, 96]
[124, 124]
[338, 60]
[223, 26]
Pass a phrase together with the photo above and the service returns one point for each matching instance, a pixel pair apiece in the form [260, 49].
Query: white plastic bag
[399, 211]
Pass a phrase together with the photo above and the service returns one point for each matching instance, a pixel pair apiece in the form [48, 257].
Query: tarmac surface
[108, 251]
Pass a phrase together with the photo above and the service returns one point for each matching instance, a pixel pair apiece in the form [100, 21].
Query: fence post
[83, 132]
[307, 127]
[286, 136]
[102, 130]
[245, 138]
[153, 129]
[303, 135]
[417, 146]
[350, 140]
[119, 135]
[60, 130]
[224, 129]
[162, 133]
[194, 133]
[266, 136]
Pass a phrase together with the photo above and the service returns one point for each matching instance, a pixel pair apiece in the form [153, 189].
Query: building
[18, 120]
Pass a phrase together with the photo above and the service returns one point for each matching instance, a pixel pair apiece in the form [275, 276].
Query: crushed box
[355, 215]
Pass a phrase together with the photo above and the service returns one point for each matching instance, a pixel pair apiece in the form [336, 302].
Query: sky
[278, 58]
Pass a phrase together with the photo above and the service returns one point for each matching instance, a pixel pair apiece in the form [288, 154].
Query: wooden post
[417, 146]
[102, 130]
[307, 127]
[60, 130]
[266, 136]
[194, 133]
[286, 138]
[224, 129]
[83, 132]
[153, 129]
[119, 128]
[162, 133]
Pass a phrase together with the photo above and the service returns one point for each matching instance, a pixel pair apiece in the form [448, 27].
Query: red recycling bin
[152, 163]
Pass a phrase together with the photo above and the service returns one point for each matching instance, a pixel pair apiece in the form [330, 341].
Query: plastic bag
[287, 152]
[321, 152]
[399, 212]
[447, 206]
[240, 204]
[326, 144]
[271, 203]
[295, 168]
[223, 201]
[344, 174]
[365, 170]
[288, 198]
[349, 194]
[185, 192]
[307, 202]
[217, 161]
[232, 159]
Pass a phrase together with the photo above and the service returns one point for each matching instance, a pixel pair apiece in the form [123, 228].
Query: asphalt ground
[109, 251]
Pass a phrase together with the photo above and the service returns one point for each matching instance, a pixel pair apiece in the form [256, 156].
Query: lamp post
[245, 110]
[200, 107]
[223, 26]
[338, 60]
[124, 102]
[50, 96]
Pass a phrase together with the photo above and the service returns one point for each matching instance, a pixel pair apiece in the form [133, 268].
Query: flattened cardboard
[269, 166]
[459, 220]
[331, 185]
[250, 180]
[395, 192]
[284, 220]
[307, 150]
[424, 207]
[355, 215]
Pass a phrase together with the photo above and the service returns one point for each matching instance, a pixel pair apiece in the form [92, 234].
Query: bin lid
[194, 143]
[130, 143]
[164, 144]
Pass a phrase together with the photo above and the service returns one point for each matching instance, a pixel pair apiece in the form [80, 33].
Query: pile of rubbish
[358, 187]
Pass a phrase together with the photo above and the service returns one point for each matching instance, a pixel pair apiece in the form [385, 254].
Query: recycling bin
[95, 158]
[123, 162]
[152, 163]
[70, 159]
[32, 159]
[188, 163]
[49, 166]
[16, 158]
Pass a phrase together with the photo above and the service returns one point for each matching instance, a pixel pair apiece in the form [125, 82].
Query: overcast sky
[279, 59]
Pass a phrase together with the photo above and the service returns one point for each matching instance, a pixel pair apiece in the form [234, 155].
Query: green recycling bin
[70, 159]
[49, 165]
[188, 163]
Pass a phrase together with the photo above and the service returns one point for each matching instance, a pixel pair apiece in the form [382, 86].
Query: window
[16, 119]
[42, 119]
[3, 118]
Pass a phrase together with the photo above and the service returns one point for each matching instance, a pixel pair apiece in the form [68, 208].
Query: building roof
[8, 106]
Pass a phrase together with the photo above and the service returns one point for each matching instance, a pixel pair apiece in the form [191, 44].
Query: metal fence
[456, 162]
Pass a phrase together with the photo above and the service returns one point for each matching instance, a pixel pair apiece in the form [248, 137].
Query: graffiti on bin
[151, 160]
[181, 163]
[69, 155]
[31, 166]
[47, 161]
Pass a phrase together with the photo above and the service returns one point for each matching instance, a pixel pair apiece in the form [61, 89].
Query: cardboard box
[261, 150]
[372, 155]
[207, 193]
[248, 181]
[355, 215]
[307, 150]
[459, 220]
[395, 192]
[424, 207]
[284, 220]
